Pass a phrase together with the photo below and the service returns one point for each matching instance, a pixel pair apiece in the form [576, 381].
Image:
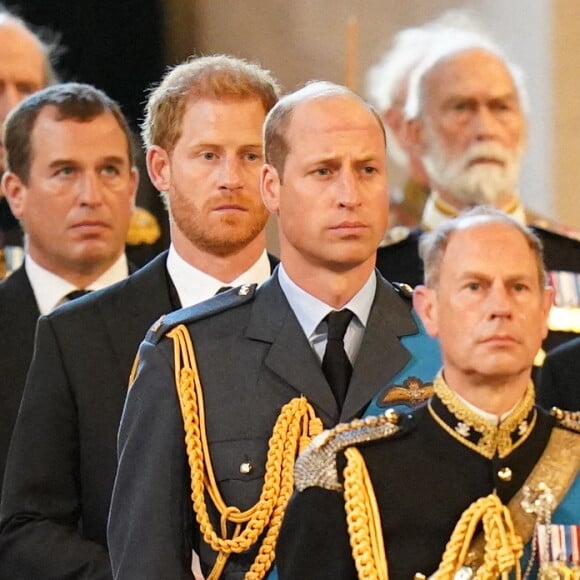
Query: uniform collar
[194, 286]
[471, 428]
[437, 212]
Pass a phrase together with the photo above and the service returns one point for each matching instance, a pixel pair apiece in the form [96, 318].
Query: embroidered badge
[412, 392]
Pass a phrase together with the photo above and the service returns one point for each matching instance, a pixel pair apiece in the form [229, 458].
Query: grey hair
[432, 245]
[456, 43]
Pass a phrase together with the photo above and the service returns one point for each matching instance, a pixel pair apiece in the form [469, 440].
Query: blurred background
[122, 46]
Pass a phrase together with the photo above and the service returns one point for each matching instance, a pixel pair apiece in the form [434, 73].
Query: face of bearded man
[472, 129]
[483, 174]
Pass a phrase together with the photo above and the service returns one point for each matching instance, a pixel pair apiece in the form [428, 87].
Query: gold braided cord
[295, 425]
[363, 519]
[503, 548]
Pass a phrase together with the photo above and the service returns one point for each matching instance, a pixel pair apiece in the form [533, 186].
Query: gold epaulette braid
[568, 419]
[295, 425]
[503, 548]
[363, 519]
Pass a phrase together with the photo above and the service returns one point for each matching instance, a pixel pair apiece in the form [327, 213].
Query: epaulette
[316, 467]
[395, 235]
[568, 419]
[218, 303]
[404, 290]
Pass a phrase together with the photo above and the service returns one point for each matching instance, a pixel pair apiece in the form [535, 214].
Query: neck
[333, 287]
[80, 275]
[222, 268]
[495, 395]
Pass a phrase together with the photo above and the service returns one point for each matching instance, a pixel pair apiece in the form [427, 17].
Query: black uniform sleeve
[314, 542]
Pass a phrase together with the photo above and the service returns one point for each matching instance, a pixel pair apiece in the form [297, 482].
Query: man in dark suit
[204, 132]
[248, 364]
[466, 109]
[70, 180]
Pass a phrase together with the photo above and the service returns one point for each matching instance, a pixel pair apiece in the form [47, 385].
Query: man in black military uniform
[246, 366]
[467, 109]
[479, 439]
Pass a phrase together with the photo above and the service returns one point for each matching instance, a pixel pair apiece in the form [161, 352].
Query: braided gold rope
[363, 519]
[294, 427]
[503, 547]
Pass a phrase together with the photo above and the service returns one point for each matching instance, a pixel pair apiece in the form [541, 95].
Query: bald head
[24, 66]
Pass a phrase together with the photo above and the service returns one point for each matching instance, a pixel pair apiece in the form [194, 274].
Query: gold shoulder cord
[363, 519]
[295, 425]
[503, 547]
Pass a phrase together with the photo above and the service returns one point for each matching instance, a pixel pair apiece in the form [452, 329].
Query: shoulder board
[567, 419]
[404, 290]
[316, 467]
[216, 304]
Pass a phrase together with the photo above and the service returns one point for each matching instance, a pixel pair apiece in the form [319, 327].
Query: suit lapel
[144, 296]
[381, 354]
[290, 355]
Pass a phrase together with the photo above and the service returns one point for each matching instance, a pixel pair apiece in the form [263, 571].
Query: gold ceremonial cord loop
[503, 547]
[294, 427]
[363, 519]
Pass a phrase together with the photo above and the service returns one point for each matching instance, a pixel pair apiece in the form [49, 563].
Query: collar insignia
[471, 430]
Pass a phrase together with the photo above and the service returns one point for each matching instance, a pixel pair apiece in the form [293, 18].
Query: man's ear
[159, 167]
[547, 301]
[15, 192]
[270, 187]
[425, 304]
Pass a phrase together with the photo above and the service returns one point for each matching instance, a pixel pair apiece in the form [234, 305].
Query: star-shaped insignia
[463, 429]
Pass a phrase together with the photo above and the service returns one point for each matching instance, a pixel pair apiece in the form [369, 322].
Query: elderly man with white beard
[466, 110]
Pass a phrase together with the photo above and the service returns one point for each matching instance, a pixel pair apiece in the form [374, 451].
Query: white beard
[480, 183]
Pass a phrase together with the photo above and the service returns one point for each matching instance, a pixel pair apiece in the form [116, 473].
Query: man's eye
[111, 170]
[323, 171]
[253, 157]
[209, 155]
[370, 170]
[474, 285]
[68, 170]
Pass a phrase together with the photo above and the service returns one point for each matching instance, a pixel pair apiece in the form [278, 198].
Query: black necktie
[74, 294]
[335, 364]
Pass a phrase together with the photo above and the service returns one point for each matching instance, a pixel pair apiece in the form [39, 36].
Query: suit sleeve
[559, 377]
[150, 520]
[39, 529]
[314, 541]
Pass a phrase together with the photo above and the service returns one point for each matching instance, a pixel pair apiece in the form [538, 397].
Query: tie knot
[74, 294]
[338, 321]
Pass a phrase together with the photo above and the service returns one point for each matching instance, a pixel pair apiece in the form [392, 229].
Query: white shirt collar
[491, 418]
[310, 311]
[194, 286]
[50, 289]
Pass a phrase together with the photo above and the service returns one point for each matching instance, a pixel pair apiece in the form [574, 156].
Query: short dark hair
[77, 101]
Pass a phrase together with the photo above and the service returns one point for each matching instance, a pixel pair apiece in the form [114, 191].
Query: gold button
[505, 474]
[246, 467]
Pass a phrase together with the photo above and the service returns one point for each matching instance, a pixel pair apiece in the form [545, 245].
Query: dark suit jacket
[18, 316]
[400, 262]
[252, 358]
[558, 383]
[62, 459]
